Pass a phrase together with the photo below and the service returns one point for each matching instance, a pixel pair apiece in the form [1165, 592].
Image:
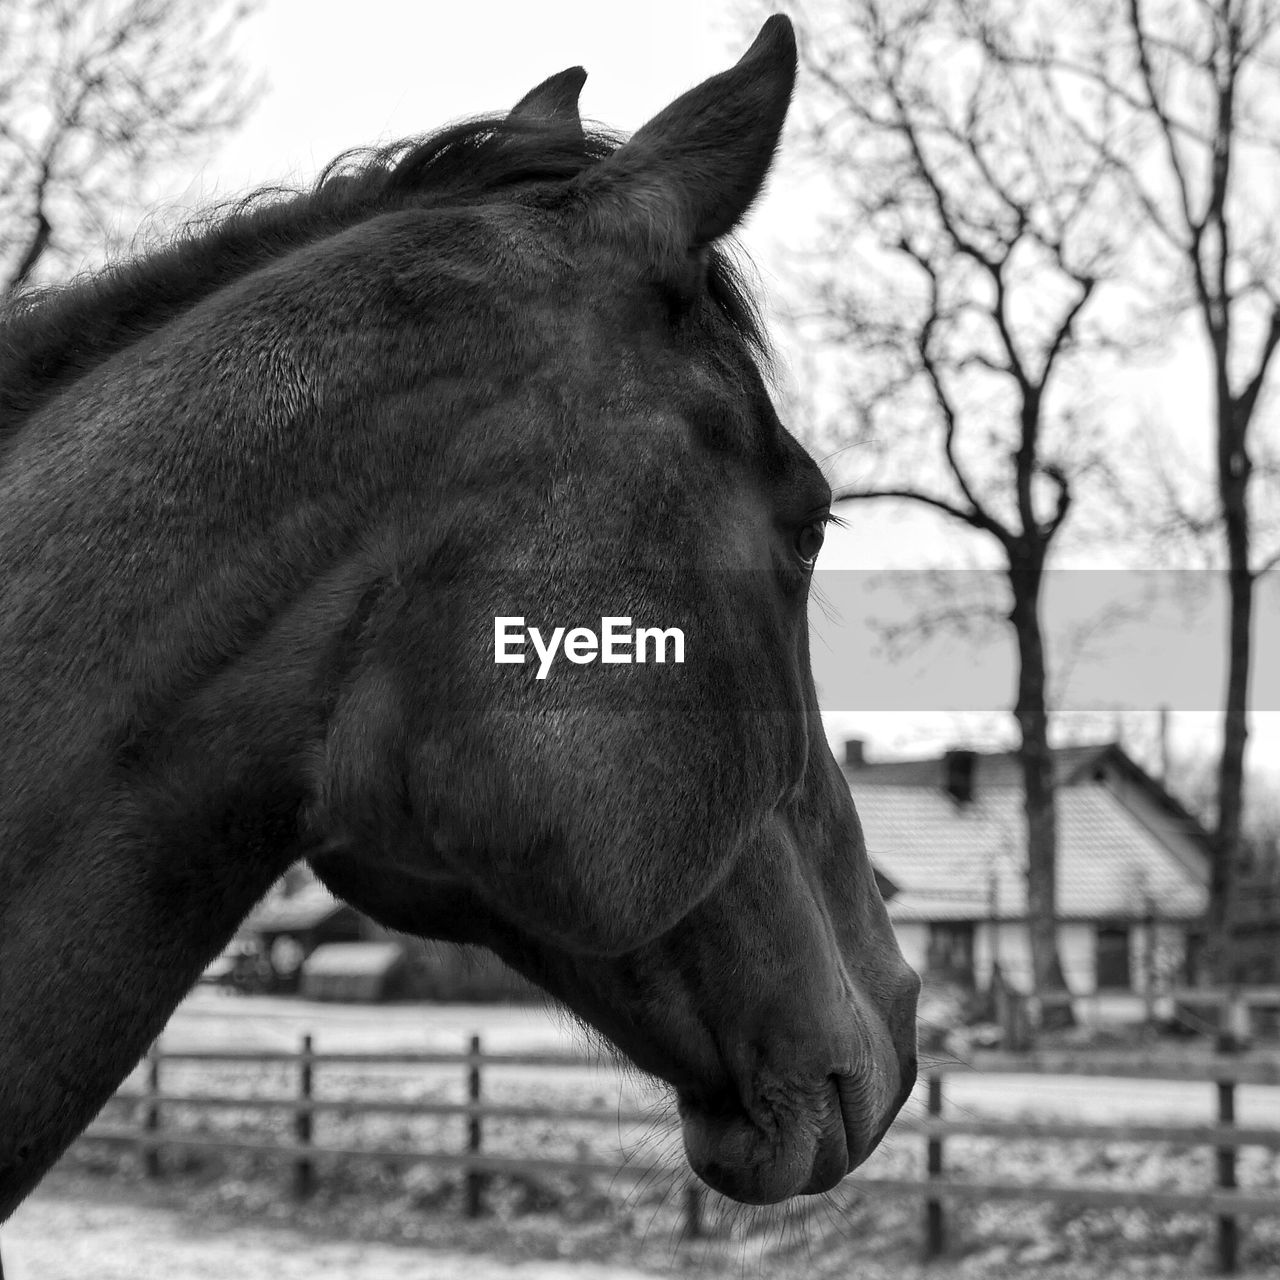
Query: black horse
[263, 495]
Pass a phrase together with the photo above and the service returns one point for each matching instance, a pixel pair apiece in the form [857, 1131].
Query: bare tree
[959, 283]
[96, 96]
[1196, 80]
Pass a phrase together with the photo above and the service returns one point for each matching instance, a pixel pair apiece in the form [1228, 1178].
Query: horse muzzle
[797, 1137]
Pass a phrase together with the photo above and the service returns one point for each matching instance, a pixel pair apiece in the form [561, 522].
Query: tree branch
[1063, 334]
[1248, 398]
[34, 251]
[1060, 478]
[1195, 225]
[975, 519]
[1271, 563]
[934, 375]
[97, 97]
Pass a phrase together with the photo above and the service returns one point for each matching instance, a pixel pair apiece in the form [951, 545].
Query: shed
[352, 971]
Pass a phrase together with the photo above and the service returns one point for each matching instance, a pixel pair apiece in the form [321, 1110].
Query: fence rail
[1225, 1202]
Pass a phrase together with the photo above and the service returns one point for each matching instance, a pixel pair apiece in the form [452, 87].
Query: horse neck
[68, 331]
[159, 687]
[97, 946]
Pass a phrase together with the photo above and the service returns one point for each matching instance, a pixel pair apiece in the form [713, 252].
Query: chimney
[959, 767]
[855, 753]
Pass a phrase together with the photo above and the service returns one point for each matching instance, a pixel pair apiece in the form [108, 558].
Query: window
[1113, 957]
[951, 951]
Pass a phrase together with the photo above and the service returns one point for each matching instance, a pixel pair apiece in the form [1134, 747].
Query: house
[298, 916]
[312, 942]
[946, 836]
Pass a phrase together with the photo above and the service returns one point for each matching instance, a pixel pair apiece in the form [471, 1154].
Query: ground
[62, 1235]
[68, 1232]
[103, 1220]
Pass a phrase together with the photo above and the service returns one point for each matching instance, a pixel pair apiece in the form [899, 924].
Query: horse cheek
[582, 871]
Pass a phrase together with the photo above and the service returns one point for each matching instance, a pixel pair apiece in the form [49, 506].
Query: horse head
[269, 501]
[670, 849]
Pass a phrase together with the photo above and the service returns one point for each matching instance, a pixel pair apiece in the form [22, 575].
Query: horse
[266, 492]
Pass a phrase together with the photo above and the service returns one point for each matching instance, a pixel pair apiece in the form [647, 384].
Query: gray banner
[1114, 640]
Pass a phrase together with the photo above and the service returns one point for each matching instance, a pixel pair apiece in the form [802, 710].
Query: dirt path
[50, 1238]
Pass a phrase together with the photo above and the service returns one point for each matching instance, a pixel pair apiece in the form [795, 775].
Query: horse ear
[691, 173]
[554, 101]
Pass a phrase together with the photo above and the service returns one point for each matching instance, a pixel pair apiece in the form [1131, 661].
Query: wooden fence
[1224, 1202]
[149, 1136]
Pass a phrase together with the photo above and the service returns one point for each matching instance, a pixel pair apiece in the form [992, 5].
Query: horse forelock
[53, 336]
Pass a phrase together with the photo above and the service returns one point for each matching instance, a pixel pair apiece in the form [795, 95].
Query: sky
[406, 68]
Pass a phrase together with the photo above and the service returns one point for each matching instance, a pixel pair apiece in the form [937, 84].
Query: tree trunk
[1032, 713]
[1233, 481]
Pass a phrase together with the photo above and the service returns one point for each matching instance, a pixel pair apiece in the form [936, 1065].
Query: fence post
[693, 1204]
[475, 1179]
[304, 1167]
[151, 1113]
[1228, 1235]
[934, 1227]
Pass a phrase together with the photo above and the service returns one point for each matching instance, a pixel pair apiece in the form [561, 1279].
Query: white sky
[341, 76]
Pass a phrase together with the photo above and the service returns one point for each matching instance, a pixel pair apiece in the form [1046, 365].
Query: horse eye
[809, 542]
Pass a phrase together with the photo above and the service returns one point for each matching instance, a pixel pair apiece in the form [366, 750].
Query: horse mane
[52, 336]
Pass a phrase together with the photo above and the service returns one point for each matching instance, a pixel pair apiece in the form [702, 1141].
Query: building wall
[913, 939]
[1010, 942]
[1007, 942]
[1162, 961]
[1077, 949]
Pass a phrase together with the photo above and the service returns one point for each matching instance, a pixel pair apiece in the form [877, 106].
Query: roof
[310, 906]
[941, 856]
[354, 959]
[1071, 765]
